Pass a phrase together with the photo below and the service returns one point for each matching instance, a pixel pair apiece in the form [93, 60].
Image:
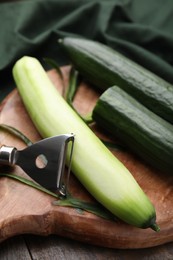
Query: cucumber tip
[155, 227]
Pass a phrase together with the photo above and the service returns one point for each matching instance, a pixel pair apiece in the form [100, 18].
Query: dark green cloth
[140, 29]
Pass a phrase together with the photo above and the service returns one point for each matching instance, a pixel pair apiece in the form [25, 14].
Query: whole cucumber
[105, 67]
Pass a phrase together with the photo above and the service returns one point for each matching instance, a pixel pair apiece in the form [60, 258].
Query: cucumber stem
[155, 227]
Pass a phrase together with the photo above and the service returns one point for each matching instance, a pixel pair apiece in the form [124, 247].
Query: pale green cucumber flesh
[105, 67]
[97, 169]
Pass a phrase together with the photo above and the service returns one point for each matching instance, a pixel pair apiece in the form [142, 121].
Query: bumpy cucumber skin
[96, 168]
[105, 67]
[148, 135]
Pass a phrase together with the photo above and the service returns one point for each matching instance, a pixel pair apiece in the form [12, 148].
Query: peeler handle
[8, 155]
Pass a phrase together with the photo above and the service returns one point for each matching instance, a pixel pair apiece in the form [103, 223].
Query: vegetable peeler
[44, 161]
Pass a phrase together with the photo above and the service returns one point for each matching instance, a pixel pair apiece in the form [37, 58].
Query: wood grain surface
[25, 210]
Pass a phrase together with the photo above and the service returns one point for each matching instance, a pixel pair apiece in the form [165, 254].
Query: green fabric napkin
[140, 29]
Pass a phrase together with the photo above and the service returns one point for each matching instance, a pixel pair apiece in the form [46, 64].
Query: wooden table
[54, 247]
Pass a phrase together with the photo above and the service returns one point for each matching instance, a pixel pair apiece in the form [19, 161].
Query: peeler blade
[45, 161]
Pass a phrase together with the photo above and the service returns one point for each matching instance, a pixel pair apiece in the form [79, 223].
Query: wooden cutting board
[27, 210]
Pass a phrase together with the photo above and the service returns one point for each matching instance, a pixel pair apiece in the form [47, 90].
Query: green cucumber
[103, 175]
[105, 67]
[148, 135]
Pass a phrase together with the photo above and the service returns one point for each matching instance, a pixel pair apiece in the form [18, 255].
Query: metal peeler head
[44, 161]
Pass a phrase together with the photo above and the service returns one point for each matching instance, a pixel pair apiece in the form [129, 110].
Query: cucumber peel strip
[69, 201]
[16, 133]
[72, 87]
[55, 66]
[71, 92]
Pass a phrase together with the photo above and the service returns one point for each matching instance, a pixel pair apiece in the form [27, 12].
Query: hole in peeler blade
[41, 161]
